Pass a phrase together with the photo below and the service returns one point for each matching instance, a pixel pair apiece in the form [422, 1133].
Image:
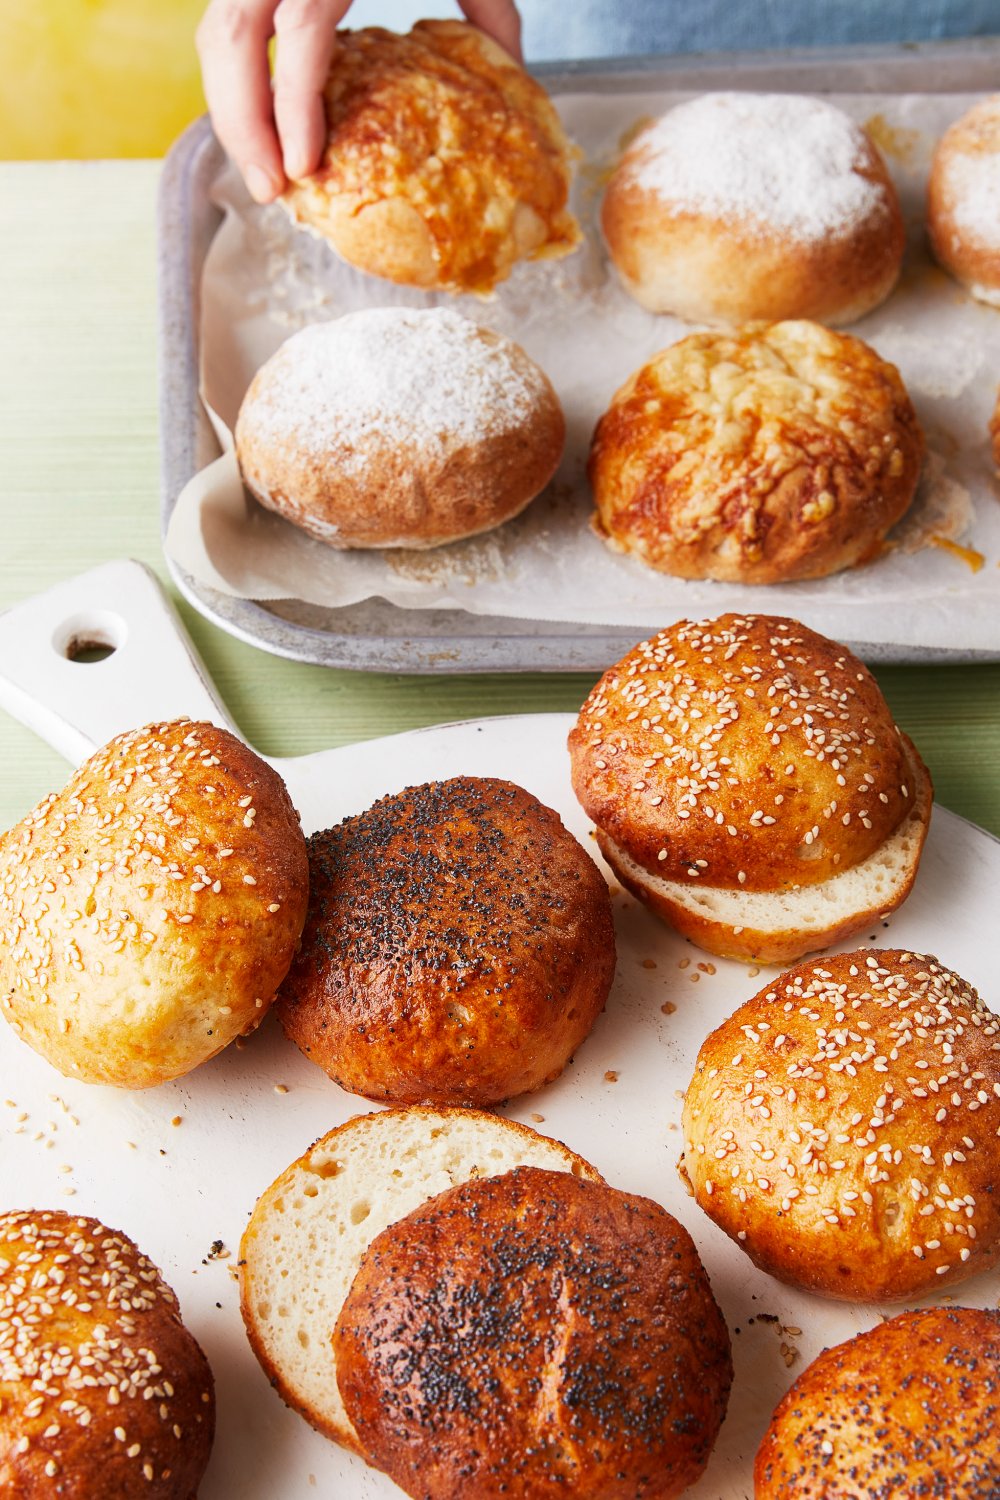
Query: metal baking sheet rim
[443, 641]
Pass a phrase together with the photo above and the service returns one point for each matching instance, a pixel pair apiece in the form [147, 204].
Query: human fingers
[232, 40]
[499, 19]
[306, 32]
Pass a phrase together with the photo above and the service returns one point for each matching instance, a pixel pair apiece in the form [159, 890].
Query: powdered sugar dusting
[395, 375]
[974, 190]
[768, 161]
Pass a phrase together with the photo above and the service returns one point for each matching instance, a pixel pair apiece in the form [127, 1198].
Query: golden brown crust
[779, 931]
[535, 1334]
[780, 452]
[458, 949]
[745, 746]
[843, 1126]
[410, 1153]
[963, 219]
[912, 1407]
[458, 430]
[102, 1389]
[149, 911]
[446, 163]
[720, 264]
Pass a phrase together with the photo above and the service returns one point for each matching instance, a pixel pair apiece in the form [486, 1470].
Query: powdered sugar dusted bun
[735, 207]
[748, 783]
[774, 453]
[311, 1227]
[843, 1126]
[397, 427]
[908, 1408]
[149, 910]
[105, 1392]
[446, 162]
[963, 200]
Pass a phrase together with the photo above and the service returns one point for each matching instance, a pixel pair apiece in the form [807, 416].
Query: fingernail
[260, 183]
[296, 165]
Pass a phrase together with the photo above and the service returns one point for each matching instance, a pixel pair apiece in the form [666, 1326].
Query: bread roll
[396, 427]
[459, 947]
[445, 164]
[149, 910]
[963, 200]
[310, 1229]
[735, 207]
[758, 457]
[844, 1127]
[105, 1393]
[907, 1409]
[749, 785]
[534, 1335]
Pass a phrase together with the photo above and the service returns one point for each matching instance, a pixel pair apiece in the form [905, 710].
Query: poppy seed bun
[149, 910]
[398, 427]
[844, 1127]
[748, 783]
[912, 1407]
[103, 1392]
[735, 207]
[771, 454]
[459, 947]
[534, 1334]
[963, 200]
[310, 1228]
[445, 163]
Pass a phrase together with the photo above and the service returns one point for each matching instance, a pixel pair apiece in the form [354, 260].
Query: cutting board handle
[99, 654]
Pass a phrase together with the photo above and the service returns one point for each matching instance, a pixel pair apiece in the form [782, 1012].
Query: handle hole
[88, 651]
[90, 638]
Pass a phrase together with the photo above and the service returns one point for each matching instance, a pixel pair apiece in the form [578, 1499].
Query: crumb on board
[281, 1088]
[611, 1076]
[683, 963]
[668, 1007]
[538, 1119]
[649, 963]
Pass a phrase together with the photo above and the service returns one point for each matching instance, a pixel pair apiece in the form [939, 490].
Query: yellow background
[86, 78]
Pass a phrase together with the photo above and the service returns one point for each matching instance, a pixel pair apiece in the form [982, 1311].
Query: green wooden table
[79, 485]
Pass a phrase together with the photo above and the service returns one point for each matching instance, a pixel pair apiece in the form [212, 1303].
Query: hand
[273, 136]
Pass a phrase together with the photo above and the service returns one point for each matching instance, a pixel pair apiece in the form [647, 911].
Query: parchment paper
[263, 279]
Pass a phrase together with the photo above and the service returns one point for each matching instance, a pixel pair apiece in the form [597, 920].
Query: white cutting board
[177, 1189]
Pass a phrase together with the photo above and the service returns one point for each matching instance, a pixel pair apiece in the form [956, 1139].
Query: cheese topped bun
[445, 164]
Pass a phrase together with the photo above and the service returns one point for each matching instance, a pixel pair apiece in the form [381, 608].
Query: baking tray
[375, 635]
[179, 1167]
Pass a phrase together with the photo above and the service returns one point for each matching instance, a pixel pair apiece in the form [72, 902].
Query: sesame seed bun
[909, 1408]
[736, 770]
[844, 1127]
[311, 1227]
[150, 909]
[459, 946]
[445, 163]
[104, 1391]
[534, 1334]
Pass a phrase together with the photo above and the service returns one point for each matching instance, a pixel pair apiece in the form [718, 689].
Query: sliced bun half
[310, 1228]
